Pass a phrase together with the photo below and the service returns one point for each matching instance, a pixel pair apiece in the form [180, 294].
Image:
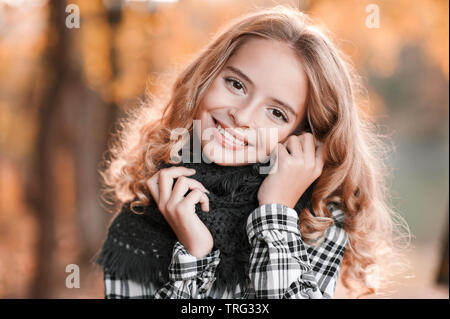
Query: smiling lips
[228, 140]
[230, 134]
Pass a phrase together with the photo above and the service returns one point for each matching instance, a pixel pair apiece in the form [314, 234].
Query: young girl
[220, 228]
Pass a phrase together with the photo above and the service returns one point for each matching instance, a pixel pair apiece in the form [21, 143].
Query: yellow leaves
[89, 7]
[95, 50]
[402, 22]
[17, 130]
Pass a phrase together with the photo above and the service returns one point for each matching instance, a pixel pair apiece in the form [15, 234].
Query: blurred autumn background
[62, 90]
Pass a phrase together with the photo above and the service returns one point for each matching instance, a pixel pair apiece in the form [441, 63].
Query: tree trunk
[442, 275]
[94, 121]
[43, 186]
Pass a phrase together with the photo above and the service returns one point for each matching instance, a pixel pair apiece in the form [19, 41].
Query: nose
[241, 116]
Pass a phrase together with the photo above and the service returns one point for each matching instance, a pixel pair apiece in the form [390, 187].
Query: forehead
[274, 68]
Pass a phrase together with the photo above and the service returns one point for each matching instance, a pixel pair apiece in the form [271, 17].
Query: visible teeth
[228, 136]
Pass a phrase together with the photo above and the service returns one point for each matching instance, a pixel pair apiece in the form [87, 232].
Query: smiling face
[258, 99]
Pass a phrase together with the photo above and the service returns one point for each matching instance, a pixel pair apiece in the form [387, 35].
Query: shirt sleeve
[189, 277]
[282, 265]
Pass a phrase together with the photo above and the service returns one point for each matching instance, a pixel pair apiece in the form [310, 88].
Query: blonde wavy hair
[354, 175]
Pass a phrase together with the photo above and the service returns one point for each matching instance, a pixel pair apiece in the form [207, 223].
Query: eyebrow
[245, 77]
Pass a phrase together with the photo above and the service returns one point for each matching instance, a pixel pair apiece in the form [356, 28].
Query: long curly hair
[354, 175]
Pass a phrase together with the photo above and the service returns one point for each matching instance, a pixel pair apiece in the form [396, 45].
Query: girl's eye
[236, 84]
[278, 114]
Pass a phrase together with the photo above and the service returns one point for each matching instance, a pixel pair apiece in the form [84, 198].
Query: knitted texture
[139, 246]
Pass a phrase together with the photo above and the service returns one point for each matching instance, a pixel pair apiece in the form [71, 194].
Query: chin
[224, 157]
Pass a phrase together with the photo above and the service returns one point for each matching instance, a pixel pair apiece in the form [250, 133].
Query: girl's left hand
[295, 171]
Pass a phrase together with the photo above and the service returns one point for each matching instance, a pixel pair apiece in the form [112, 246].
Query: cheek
[272, 141]
[216, 96]
[272, 138]
[267, 140]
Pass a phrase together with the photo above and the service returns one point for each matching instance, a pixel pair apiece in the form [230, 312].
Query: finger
[309, 148]
[274, 157]
[182, 185]
[320, 156]
[282, 152]
[166, 177]
[194, 197]
[294, 146]
[152, 184]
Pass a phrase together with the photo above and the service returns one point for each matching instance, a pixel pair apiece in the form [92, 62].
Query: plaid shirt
[282, 265]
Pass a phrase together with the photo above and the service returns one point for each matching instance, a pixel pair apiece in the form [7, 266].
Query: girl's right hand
[179, 210]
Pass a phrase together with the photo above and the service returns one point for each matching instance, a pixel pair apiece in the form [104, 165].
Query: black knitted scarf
[139, 246]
